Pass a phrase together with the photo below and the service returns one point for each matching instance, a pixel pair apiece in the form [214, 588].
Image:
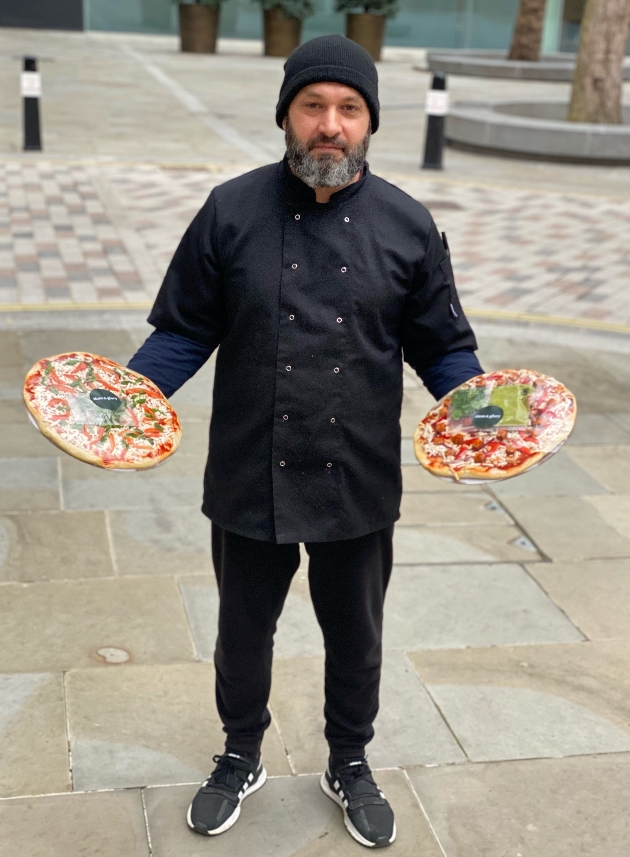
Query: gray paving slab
[161, 541]
[288, 817]
[33, 739]
[421, 545]
[474, 508]
[450, 606]
[22, 440]
[195, 435]
[524, 701]
[559, 476]
[60, 625]
[107, 824]
[13, 411]
[622, 420]
[615, 510]
[546, 808]
[567, 528]
[10, 353]
[610, 465]
[54, 546]
[178, 482]
[29, 484]
[115, 344]
[116, 744]
[407, 455]
[408, 726]
[598, 429]
[594, 594]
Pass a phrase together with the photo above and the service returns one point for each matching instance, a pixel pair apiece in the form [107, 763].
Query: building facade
[419, 23]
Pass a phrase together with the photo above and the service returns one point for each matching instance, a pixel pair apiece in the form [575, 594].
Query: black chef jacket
[313, 307]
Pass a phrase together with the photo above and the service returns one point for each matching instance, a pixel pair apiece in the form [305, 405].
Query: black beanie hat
[330, 59]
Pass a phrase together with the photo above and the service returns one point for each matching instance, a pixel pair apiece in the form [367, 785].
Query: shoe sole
[354, 833]
[260, 782]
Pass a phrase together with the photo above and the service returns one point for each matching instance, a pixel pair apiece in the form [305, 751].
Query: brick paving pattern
[64, 238]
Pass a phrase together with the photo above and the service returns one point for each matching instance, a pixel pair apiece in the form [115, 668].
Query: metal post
[436, 110]
[31, 89]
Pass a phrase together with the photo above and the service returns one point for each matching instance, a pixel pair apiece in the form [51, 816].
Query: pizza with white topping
[495, 426]
[100, 412]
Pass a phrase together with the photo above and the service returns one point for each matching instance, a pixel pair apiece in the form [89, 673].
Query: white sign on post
[30, 84]
[437, 102]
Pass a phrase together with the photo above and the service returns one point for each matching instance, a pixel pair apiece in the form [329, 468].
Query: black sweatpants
[347, 580]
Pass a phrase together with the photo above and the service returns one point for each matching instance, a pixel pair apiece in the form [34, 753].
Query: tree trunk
[598, 79]
[528, 31]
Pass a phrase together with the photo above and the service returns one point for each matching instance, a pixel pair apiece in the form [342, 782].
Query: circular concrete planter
[367, 30]
[281, 35]
[551, 67]
[536, 129]
[198, 28]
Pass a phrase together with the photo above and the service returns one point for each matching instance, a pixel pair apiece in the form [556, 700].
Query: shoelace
[352, 772]
[231, 772]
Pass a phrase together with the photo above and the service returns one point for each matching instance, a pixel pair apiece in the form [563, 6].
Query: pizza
[495, 426]
[101, 412]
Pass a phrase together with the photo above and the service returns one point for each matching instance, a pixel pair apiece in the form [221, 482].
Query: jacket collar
[296, 193]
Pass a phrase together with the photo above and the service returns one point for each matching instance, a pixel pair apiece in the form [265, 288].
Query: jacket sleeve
[434, 323]
[189, 302]
[169, 360]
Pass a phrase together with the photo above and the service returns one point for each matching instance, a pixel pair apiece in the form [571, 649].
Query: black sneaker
[217, 804]
[368, 817]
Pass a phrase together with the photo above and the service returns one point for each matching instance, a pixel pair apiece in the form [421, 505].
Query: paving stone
[178, 482]
[33, 740]
[61, 624]
[407, 455]
[450, 606]
[288, 817]
[416, 478]
[610, 465]
[421, 545]
[557, 477]
[53, 546]
[114, 743]
[107, 824]
[409, 729]
[10, 354]
[598, 429]
[195, 434]
[514, 808]
[13, 411]
[615, 510]
[530, 701]
[24, 440]
[472, 508]
[29, 484]
[114, 344]
[567, 527]
[622, 420]
[594, 594]
[161, 541]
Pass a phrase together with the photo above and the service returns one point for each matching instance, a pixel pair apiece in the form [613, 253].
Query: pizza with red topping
[495, 426]
[101, 412]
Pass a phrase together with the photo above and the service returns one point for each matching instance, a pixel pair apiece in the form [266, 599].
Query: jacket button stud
[339, 320]
[336, 369]
[291, 317]
[332, 419]
[288, 368]
[343, 270]
[285, 417]
[294, 266]
[346, 220]
[297, 216]
[329, 464]
[282, 464]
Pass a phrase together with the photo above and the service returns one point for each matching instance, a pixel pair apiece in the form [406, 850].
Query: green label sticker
[487, 417]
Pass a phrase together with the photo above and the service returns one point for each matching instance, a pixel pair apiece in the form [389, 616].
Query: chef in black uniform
[315, 279]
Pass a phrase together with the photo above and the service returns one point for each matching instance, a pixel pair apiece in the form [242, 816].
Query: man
[313, 277]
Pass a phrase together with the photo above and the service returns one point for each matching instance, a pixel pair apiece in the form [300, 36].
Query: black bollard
[31, 88]
[436, 110]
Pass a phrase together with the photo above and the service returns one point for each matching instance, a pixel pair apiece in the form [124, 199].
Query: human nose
[330, 124]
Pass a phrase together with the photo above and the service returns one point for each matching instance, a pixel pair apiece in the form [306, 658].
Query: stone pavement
[505, 722]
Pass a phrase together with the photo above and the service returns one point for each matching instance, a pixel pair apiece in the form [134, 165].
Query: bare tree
[528, 31]
[598, 79]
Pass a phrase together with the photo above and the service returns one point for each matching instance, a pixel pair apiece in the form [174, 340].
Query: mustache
[329, 141]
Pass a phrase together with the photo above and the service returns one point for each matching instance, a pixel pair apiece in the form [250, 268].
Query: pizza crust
[47, 429]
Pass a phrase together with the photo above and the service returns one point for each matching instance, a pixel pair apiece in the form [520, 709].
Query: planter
[367, 30]
[198, 28]
[282, 35]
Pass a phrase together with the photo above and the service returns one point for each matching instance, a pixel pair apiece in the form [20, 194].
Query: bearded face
[334, 168]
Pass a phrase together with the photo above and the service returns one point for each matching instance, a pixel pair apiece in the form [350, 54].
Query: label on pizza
[495, 426]
[101, 412]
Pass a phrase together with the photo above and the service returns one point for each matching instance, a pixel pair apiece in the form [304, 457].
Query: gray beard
[326, 170]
